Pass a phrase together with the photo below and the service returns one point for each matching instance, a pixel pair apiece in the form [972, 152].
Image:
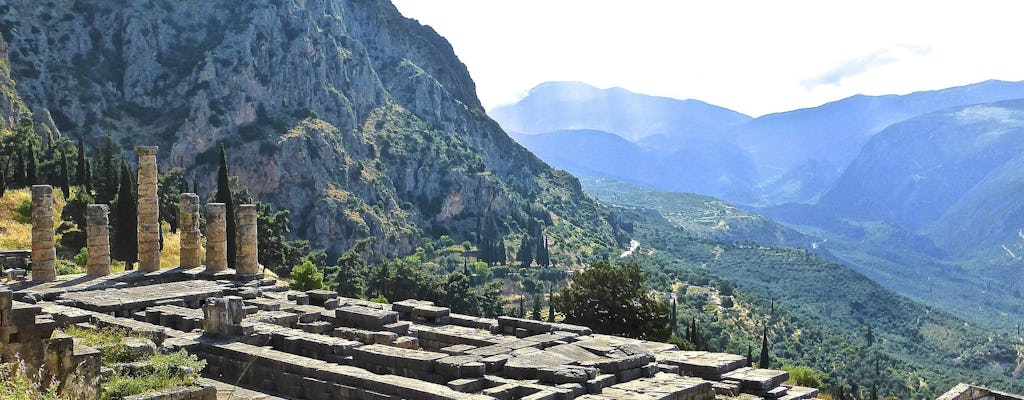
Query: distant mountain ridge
[556, 106]
[795, 156]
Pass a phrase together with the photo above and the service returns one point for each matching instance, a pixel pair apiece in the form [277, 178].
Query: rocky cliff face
[360, 121]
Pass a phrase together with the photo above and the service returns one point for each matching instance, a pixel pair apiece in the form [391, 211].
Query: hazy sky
[755, 57]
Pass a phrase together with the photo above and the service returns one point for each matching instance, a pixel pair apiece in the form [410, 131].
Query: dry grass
[15, 232]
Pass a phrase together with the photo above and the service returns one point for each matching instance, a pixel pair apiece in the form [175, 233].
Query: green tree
[72, 236]
[275, 250]
[88, 176]
[543, 255]
[82, 166]
[31, 166]
[763, 362]
[306, 276]
[615, 300]
[65, 176]
[535, 312]
[459, 296]
[351, 267]
[551, 303]
[490, 300]
[3, 179]
[125, 220]
[525, 253]
[169, 195]
[224, 196]
[673, 318]
[105, 174]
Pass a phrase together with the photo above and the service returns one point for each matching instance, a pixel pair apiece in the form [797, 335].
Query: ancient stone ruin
[216, 237]
[257, 334]
[149, 210]
[44, 254]
[188, 228]
[97, 232]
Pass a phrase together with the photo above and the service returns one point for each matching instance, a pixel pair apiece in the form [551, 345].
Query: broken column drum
[44, 254]
[149, 210]
[246, 258]
[216, 237]
[97, 230]
[188, 221]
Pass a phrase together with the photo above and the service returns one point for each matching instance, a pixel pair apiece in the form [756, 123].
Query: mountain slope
[831, 135]
[700, 166]
[824, 315]
[960, 166]
[360, 121]
[556, 106]
[931, 208]
[700, 216]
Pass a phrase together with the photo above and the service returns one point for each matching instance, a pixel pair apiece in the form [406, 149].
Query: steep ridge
[360, 121]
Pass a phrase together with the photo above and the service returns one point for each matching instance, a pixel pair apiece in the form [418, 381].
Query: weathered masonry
[317, 345]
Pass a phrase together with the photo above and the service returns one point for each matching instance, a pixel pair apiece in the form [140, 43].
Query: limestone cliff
[360, 121]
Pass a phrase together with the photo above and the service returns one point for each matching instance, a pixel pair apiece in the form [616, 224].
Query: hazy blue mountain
[829, 136]
[556, 106]
[954, 175]
[789, 157]
[704, 166]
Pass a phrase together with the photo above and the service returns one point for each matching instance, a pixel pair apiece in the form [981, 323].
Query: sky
[755, 57]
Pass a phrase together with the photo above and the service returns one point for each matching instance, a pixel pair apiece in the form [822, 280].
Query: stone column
[216, 237]
[246, 248]
[44, 254]
[149, 210]
[98, 239]
[188, 226]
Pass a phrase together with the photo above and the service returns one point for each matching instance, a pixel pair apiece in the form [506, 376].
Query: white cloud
[752, 56]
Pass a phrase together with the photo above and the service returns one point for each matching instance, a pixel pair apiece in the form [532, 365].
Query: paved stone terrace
[264, 338]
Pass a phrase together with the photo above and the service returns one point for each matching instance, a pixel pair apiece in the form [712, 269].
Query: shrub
[307, 276]
[803, 376]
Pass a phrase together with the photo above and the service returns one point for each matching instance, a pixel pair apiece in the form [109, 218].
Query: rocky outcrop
[360, 121]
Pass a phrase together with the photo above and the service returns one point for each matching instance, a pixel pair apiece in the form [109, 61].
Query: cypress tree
[874, 391]
[524, 255]
[763, 362]
[551, 303]
[522, 306]
[31, 172]
[3, 180]
[18, 179]
[535, 312]
[105, 175]
[224, 196]
[674, 323]
[88, 176]
[82, 165]
[543, 256]
[65, 184]
[750, 357]
[693, 332]
[125, 215]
